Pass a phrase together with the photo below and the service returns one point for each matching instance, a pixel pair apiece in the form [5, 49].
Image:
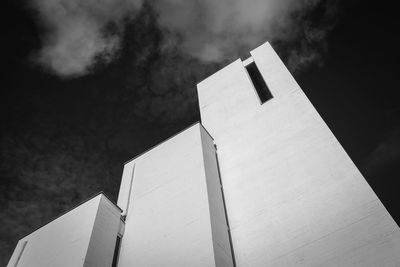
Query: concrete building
[84, 236]
[261, 181]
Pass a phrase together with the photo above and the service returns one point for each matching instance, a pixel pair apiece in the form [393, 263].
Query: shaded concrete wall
[77, 238]
[293, 196]
[173, 206]
[220, 236]
[104, 234]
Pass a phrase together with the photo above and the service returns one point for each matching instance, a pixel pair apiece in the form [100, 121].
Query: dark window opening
[116, 251]
[259, 84]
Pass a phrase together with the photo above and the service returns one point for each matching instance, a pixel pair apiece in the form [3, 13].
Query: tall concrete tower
[293, 196]
[261, 181]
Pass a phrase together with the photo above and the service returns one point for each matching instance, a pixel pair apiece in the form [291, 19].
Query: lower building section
[84, 236]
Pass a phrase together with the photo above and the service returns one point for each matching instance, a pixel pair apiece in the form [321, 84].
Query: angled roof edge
[74, 207]
[162, 142]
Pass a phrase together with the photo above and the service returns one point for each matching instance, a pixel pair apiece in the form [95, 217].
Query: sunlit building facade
[260, 181]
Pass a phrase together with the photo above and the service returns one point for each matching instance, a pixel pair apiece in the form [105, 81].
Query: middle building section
[172, 199]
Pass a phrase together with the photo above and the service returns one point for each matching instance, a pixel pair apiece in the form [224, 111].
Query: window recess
[264, 94]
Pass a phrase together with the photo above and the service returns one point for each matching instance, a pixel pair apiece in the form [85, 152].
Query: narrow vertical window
[116, 251]
[259, 84]
[20, 253]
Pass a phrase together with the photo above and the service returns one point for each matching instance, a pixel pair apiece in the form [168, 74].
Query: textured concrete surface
[85, 236]
[175, 214]
[293, 196]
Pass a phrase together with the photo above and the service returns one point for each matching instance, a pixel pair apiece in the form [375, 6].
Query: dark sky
[76, 105]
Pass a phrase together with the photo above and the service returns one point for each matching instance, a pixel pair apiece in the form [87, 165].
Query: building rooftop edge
[166, 140]
[74, 207]
[245, 62]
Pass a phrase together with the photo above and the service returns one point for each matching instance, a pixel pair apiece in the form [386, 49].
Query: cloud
[382, 165]
[216, 30]
[385, 156]
[76, 35]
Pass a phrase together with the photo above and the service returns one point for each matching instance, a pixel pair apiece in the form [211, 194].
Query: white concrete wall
[77, 238]
[293, 196]
[62, 242]
[168, 220]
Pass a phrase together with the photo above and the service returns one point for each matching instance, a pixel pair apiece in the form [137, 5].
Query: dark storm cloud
[208, 30]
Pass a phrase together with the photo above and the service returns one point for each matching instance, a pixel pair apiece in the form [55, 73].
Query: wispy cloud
[76, 34]
[385, 155]
[217, 30]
